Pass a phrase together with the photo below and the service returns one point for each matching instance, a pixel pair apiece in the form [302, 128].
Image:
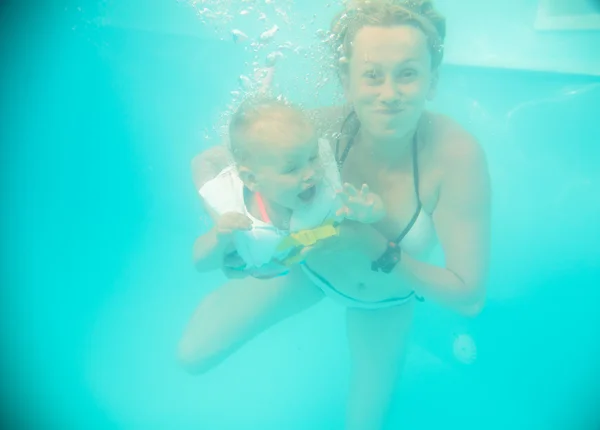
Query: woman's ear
[345, 78]
[433, 84]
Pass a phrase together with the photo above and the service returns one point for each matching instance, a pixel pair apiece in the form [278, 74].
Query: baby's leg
[236, 312]
[377, 340]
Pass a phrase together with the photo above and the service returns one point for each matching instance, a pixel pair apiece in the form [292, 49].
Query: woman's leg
[377, 340]
[236, 312]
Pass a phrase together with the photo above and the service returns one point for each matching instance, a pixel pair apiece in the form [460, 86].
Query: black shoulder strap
[415, 159]
[342, 159]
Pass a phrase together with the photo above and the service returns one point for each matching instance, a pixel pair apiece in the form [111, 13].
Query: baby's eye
[290, 169]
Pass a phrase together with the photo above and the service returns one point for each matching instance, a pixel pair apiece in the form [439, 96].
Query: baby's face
[286, 164]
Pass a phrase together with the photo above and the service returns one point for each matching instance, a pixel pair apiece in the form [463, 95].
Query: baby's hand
[272, 269]
[362, 206]
[230, 222]
[234, 266]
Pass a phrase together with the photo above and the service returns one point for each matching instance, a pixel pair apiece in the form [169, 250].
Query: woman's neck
[391, 152]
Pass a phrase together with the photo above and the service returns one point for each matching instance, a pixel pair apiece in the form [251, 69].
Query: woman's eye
[371, 74]
[408, 73]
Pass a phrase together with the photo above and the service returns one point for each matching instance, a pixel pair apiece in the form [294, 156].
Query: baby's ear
[248, 177]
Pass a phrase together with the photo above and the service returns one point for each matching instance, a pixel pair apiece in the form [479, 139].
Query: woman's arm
[208, 164]
[462, 221]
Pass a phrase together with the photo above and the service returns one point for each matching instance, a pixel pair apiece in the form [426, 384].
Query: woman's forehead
[390, 44]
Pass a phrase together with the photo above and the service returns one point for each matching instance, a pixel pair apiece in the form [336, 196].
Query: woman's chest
[405, 192]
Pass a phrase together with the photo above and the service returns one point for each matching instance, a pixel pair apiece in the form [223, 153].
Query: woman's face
[389, 79]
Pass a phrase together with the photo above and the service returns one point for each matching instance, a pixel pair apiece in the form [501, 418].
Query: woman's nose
[389, 92]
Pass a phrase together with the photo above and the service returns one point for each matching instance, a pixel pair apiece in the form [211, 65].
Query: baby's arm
[210, 249]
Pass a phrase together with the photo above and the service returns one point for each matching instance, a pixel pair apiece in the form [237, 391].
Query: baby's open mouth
[307, 194]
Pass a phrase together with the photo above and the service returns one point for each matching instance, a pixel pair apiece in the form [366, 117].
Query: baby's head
[276, 151]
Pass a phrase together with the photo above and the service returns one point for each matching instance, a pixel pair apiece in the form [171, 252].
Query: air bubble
[238, 36]
[273, 57]
[245, 82]
[269, 34]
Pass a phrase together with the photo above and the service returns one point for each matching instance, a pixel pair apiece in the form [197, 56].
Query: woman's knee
[206, 339]
[235, 313]
[198, 356]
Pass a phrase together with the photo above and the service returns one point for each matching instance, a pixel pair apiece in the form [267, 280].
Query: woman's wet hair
[258, 109]
[386, 13]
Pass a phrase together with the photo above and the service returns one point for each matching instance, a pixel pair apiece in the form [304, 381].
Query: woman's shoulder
[451, 142]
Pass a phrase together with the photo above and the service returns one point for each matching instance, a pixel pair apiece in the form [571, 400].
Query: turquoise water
[99, 127]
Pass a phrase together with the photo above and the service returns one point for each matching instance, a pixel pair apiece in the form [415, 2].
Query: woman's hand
[361, 205]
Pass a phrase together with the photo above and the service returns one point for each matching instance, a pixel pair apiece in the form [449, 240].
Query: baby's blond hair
[259, 109]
